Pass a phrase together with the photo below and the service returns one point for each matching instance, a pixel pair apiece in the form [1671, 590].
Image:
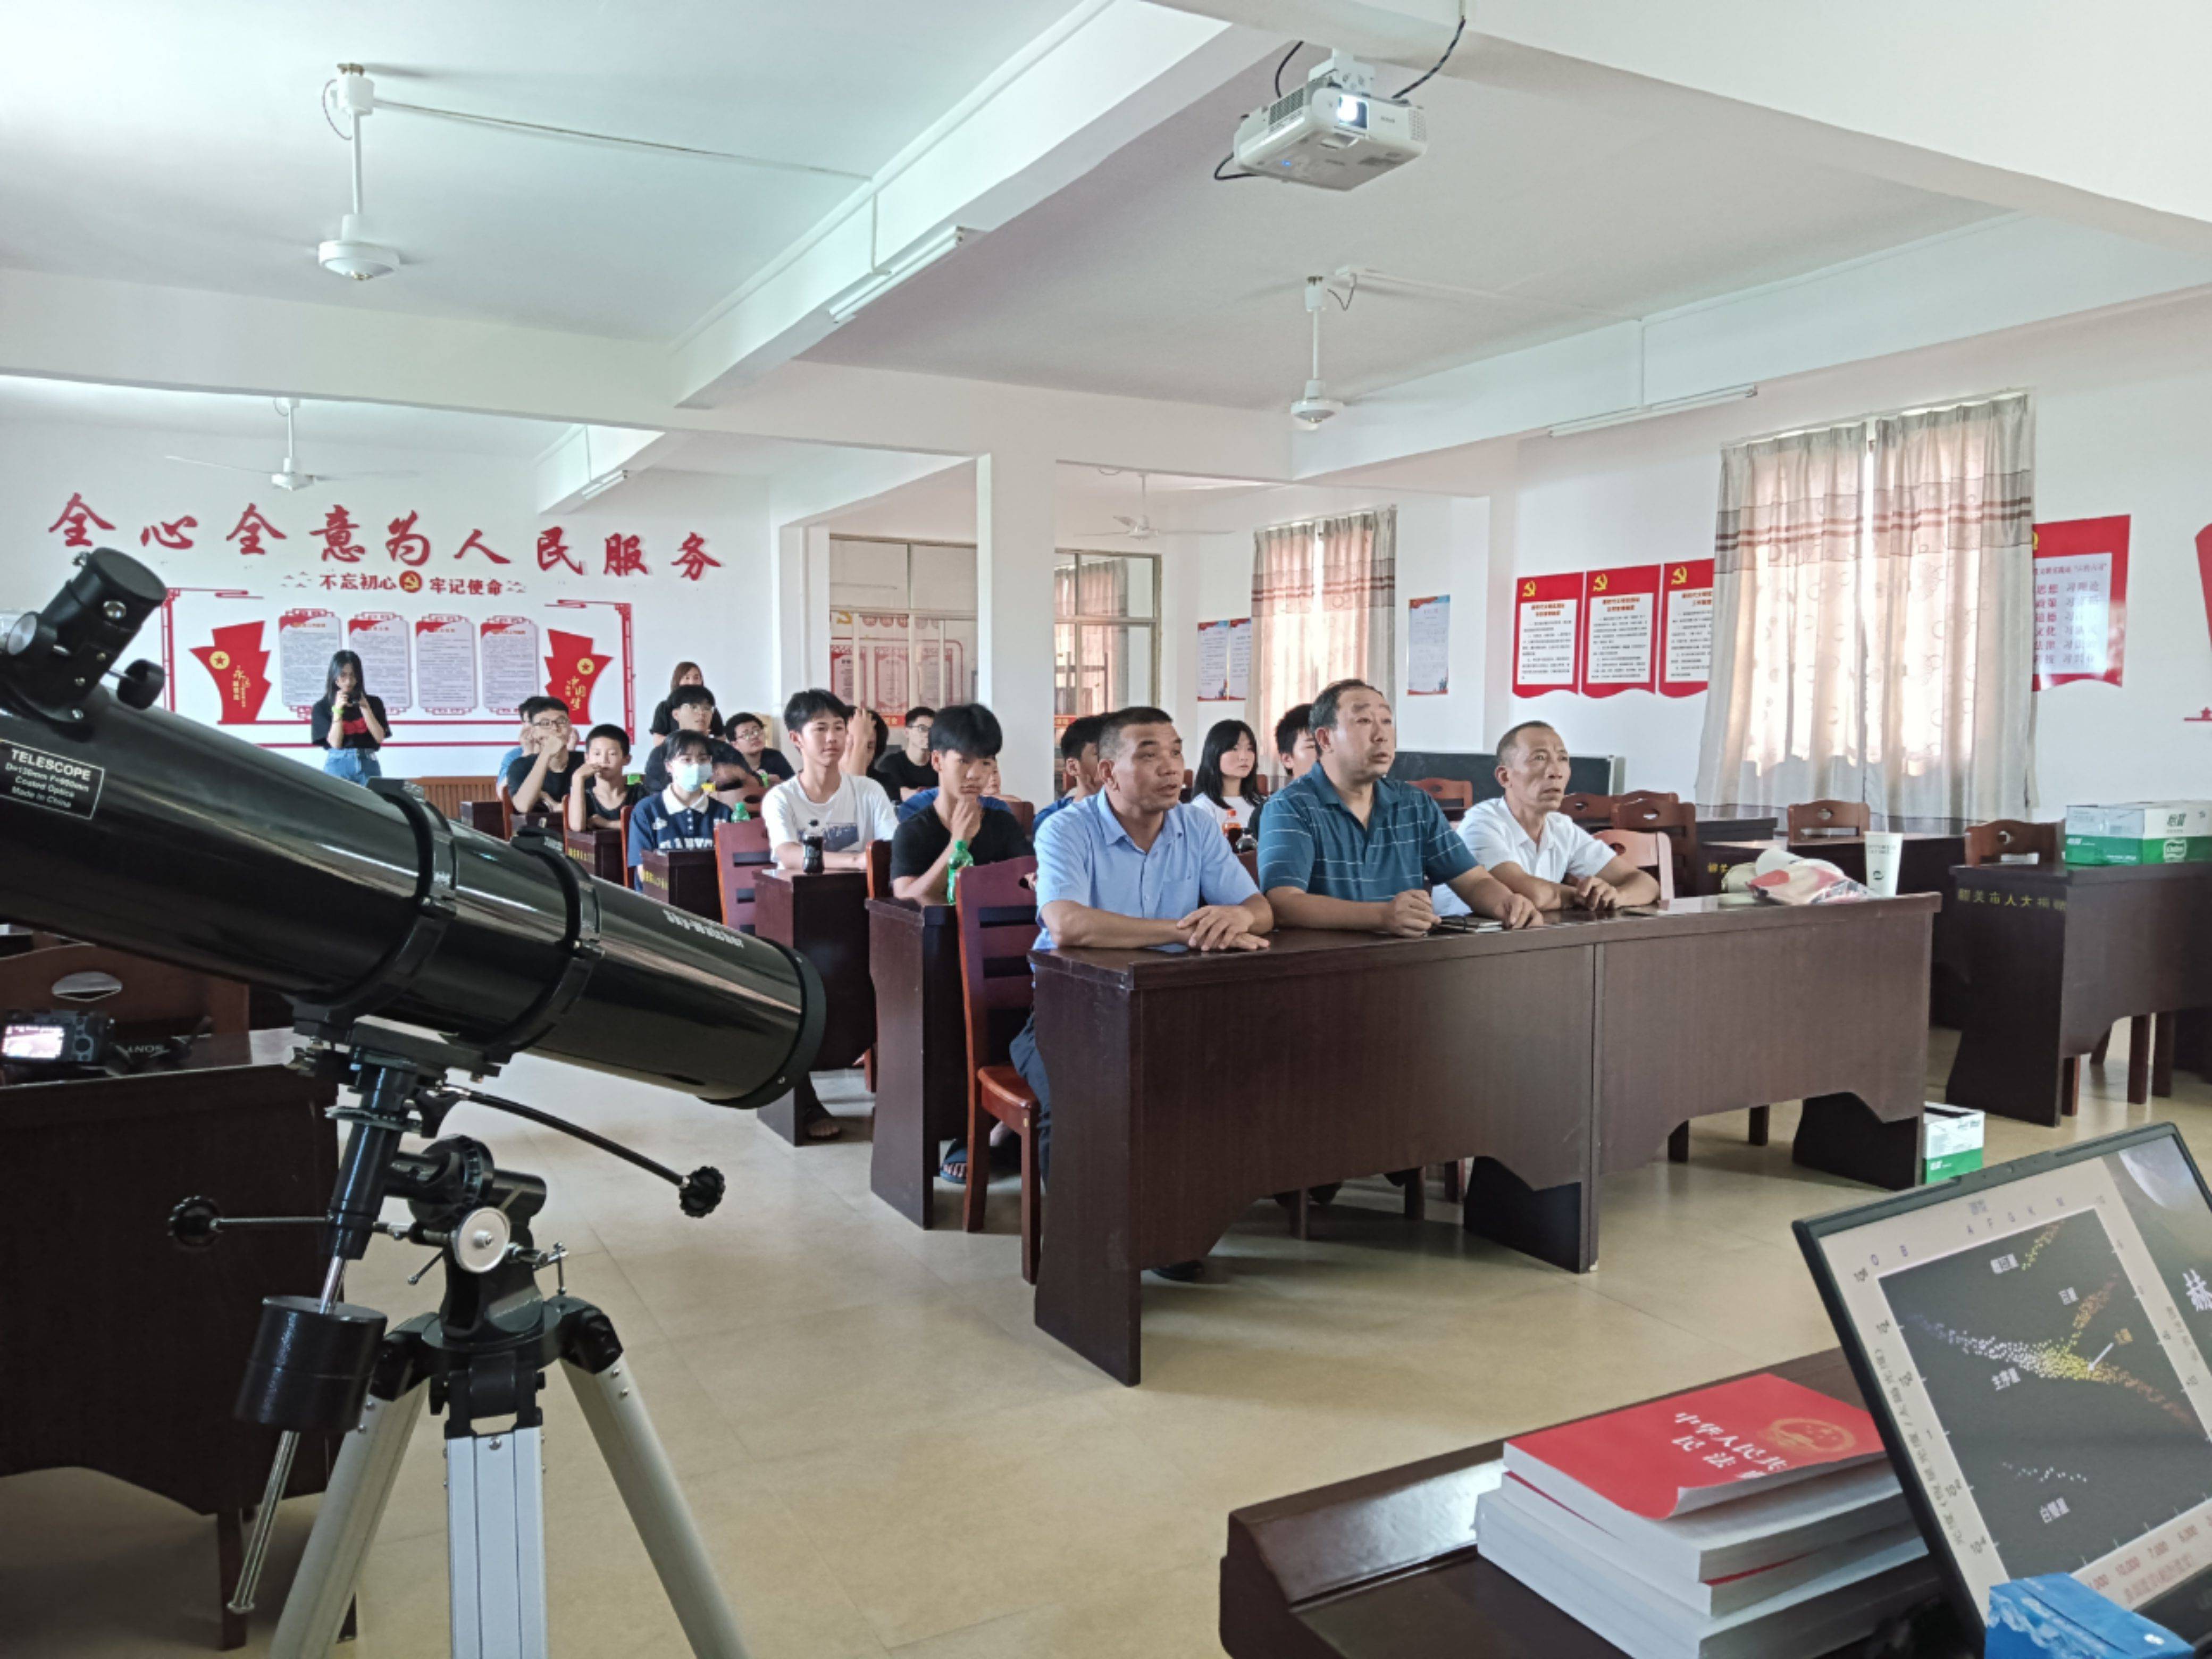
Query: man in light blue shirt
[1129, 868]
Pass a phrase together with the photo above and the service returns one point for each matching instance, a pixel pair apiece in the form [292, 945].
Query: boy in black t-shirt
[539, 780]
[692, 709]
[964, 744]
[748, 735]
[909, 770]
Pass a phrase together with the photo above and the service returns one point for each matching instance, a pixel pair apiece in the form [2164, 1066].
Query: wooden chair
[1024, 811]
[1677, 821]
[997, 905]
[1647, 850]
[1815, 818]
[131, 990]
[1660, 796]
[2008, 841]
[449, 795]
[1447, 791]
[741, 853]
[1590, 810]
[879, 869]
[487, 817]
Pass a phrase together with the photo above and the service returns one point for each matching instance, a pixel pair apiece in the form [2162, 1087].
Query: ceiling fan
[289, 477]
[1140, 528]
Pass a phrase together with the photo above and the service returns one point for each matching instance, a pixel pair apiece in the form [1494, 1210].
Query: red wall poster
[2080, 600]
[1619, 630]
[1685, 629]
[1546, 633]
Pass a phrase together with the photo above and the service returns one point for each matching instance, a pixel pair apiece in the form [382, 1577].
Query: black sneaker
[1181, 1273]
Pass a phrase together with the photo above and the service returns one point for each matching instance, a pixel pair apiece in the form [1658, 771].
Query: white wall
[723, 621]
[2123, 411]
[1444, 547]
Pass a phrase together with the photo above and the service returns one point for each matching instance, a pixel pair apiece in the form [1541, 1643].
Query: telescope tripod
[323, 1364]
[495, 1498]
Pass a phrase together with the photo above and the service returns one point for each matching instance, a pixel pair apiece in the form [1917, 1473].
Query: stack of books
[1753, 1518]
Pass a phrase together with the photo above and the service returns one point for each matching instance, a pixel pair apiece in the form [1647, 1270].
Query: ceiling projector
[1332, 132]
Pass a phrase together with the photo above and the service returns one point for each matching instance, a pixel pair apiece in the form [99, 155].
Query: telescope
[410, 948]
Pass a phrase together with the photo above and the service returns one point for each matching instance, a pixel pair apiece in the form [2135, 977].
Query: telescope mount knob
[139, 686]
[479, 1242]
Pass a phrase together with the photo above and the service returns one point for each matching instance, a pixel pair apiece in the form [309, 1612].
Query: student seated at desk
[1130, 867]
[748, 734]
[847, 811]
[963, 740]
[539, 778]
[692, 709]
[1294, 753]
[1527, 842]
[908, 770]
[1227, 786]
[1079, 767]
[602, 790]
[1349, 846]
[683, 816]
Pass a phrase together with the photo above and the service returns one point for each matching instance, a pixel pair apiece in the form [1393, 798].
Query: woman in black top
[348, 723]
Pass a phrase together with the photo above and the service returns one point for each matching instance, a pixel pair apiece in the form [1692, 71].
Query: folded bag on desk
[1804, 881]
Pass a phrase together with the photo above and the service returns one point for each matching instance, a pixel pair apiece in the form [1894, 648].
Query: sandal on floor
[821, 1126]
[954, 1168]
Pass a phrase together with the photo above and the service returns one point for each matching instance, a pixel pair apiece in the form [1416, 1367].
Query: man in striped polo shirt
[1348, 847]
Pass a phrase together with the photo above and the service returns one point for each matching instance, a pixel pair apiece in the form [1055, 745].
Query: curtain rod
[1891, 414]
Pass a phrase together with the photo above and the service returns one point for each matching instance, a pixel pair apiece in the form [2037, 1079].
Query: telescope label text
[35, 778]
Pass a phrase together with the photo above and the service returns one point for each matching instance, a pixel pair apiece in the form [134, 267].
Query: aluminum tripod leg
[634, 1455]
[495, 1543]
[360, 1484]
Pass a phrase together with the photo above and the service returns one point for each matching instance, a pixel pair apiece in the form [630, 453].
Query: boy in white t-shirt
[848, 811]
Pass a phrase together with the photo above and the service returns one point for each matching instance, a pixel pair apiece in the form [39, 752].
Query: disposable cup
[1885, 852]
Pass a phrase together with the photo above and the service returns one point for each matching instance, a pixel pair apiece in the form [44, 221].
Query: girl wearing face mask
[684, 814]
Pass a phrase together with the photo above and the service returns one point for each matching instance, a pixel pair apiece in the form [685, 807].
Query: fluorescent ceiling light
[600, 485]
[882, 280]
[1733, 394]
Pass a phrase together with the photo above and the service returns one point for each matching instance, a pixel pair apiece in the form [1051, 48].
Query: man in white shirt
[848, 811]
[1537, 851]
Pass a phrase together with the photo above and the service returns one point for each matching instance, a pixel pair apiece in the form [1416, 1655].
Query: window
[1106, 649]
[901, 623]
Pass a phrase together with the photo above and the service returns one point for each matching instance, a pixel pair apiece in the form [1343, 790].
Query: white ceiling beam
[195, 340]
[2089, 114]
[587, 461]
[1109, 72]
[2000, 274]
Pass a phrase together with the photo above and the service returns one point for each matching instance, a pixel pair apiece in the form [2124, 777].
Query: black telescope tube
[155, 833]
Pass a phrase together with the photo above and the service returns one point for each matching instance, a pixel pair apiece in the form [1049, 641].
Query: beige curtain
[1950, 721]
[1324, 607]
[1283, 622]
[1873, 632]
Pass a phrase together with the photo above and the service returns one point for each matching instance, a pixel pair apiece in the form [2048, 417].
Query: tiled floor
[884, 1455]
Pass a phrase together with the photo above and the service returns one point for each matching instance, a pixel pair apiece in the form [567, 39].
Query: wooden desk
[1928, 859]
[922, 1050]
[121, 1351]
[2055, 954]
[825, 919]
[685, 877]
[600, 851]
[1551, 1056]
[1385, 1566]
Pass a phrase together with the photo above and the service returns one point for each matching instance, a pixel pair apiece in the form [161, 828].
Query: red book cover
[1667, 1457]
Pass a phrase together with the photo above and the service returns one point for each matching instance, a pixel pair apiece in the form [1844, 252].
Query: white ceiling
[1148, 278]
[219, 414]
[1086, 501]
[153, 141]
